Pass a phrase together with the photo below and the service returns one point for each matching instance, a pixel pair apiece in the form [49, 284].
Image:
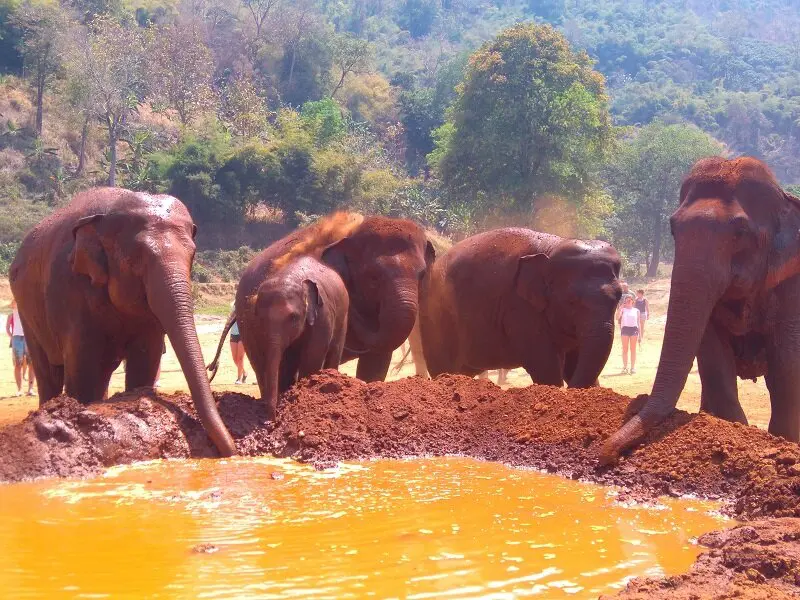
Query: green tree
[350, 55]
[531, 118]
[645, 176]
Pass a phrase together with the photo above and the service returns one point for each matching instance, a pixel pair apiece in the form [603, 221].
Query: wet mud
[330, 417]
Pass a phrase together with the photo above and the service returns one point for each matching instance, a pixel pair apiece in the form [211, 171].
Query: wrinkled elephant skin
[733, 299]
[514, 297]
[100, 281]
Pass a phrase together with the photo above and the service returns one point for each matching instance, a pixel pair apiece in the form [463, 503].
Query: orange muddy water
[268, 528]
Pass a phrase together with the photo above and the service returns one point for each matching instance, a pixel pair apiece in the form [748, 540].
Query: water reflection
[263, 528]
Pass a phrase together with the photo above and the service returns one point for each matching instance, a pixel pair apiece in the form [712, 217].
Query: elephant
[515, 297]
[301, 313]
[100, 281]
[733, 300]
[381, 261]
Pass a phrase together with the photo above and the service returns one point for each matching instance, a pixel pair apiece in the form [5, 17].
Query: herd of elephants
[104, 278]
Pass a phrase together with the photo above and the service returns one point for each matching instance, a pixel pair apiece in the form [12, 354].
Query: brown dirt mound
[330, 417]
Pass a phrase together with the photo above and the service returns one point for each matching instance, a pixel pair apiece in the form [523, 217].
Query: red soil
[330, 417]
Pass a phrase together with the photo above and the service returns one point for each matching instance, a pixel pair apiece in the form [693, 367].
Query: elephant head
[381, 264]
[141, 251]
[284, 311]
[576, 288]
[733, 241]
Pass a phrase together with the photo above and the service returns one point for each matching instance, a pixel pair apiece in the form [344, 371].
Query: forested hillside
[574, 116]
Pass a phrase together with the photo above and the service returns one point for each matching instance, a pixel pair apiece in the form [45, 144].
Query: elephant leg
[88, 368]
[783, 380]
[373, 366]
[49, 378]
[543, 362]
[570, 363]
[143, 359]
[335, 350]
[312, 358]
[717, 366]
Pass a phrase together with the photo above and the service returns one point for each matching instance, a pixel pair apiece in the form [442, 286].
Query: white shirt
[630, 317]
[17, 324]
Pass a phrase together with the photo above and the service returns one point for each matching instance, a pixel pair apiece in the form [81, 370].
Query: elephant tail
[402, 362]
[214, 364]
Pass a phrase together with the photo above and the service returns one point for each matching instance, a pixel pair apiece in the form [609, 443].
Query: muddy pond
[273, 528]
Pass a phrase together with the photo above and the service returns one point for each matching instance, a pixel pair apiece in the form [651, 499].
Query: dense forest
[570, 116]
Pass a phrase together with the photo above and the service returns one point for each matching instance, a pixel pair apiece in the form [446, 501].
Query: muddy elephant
[380, 260]
[733, 299]
[514, 297]
[299, 326]
[100, 281]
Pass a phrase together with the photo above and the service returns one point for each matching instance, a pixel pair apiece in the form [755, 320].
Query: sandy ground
[753, 396]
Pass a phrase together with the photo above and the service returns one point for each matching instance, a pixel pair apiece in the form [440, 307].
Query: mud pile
[330, 417]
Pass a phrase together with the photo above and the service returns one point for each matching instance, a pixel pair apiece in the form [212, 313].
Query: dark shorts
[630, 331]
[236, 338]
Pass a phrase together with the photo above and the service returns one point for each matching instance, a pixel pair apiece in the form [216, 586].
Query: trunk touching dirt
[395, 321]
[170, 299]
[690, 305]
[595, 347]
[271, 377]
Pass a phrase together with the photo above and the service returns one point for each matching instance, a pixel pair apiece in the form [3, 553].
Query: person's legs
[18, 357]
[633, 339]
[240, 361]
[642, 321]
[625, 341]
[31, 374]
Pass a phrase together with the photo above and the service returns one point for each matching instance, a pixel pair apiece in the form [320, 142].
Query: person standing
[643, 306]
[19, 352]
[237, 351]
[628, 318]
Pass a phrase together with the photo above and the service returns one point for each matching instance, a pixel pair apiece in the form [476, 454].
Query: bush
[8, 250]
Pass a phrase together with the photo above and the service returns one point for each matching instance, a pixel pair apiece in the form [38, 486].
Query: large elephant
[300, 325]
[380, 260]
[733, 299]
[514, 297]
[100, 281]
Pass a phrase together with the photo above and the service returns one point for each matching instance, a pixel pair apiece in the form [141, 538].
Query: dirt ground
[753, 396]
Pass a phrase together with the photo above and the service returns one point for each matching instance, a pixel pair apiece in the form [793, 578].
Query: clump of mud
[330, 417]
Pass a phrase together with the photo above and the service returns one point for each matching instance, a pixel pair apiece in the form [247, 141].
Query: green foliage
[324, 120]
[8, 250]
[531, 118]
[220, 265]
[645, 176]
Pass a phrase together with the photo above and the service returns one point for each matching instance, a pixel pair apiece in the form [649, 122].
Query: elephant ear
[313, 301]
[430, 254]
[530, 280]
[335, 256]
[87, 256]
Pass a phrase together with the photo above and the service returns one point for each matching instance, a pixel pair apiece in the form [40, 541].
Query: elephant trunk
[395, 321]
[170, 298]
[595, 346]
[271, 376]
[693, 293]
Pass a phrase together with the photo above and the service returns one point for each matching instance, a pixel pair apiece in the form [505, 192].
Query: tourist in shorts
[643, 306]
[628, 318]
[237, 351]
[19, 352]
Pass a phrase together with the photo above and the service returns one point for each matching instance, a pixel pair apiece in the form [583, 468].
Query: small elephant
[733, 299]
[100, 281]
[380, 260]
[298, 327]
[514, 297]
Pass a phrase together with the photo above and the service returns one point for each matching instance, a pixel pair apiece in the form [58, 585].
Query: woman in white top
[628, 318]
